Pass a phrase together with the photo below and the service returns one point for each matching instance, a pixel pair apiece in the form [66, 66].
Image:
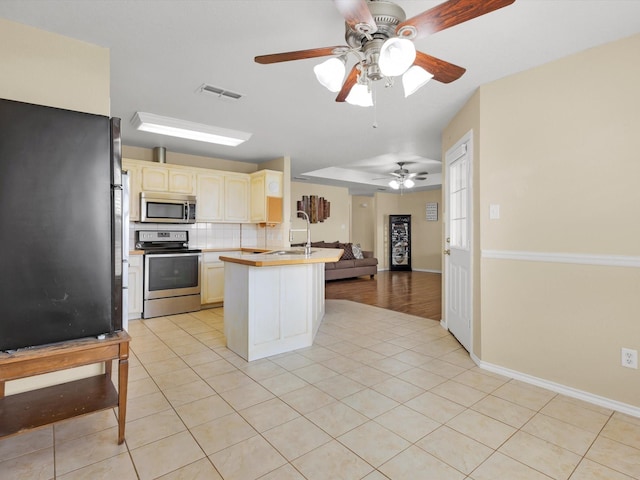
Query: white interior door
[457, 259]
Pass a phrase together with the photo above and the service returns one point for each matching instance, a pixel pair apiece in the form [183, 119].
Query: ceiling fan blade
[348, 84]
[356, 12]
[299, 54]
[442, 71]
[450, 13]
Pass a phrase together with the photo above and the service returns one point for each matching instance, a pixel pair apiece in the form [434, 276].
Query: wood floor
[415, 293]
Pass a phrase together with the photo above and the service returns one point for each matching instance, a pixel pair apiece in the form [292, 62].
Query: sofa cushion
[330, 266]
[357, 251]
[347, 253]
[345, 264]
[365, 262]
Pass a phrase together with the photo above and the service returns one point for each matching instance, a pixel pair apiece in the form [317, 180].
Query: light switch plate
[494, 212]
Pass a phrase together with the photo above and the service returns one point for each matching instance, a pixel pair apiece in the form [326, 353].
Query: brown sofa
[348, 266]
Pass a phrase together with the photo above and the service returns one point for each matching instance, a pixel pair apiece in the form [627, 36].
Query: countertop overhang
[272, 259]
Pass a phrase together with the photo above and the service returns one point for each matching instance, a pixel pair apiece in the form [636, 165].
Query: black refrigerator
[61, 225]
[400, 242]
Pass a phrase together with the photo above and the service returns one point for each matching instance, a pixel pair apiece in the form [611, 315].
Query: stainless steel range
[171, 273]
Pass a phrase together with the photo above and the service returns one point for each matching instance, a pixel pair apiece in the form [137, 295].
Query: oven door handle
[157, 255]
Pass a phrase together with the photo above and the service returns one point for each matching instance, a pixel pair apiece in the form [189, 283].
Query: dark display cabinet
[400, 242]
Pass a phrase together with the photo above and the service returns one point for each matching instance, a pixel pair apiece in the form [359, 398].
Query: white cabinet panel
[135, 286]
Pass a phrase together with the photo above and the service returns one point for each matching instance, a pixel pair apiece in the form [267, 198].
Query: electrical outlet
[629, 358]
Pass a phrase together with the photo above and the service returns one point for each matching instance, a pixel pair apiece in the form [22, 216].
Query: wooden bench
[36, 408]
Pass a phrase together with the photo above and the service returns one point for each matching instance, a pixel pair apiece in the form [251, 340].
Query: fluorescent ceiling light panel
[149, 122]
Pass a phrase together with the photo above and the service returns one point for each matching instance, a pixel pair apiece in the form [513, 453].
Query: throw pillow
[357, 251]
[348, 252]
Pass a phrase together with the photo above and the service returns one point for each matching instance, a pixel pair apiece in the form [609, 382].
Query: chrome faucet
[307, 247]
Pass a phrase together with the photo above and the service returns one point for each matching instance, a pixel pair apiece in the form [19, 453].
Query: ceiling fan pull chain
[375, 107]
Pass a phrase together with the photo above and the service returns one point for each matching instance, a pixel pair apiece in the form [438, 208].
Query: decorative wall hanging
[432, 211]
[318, 208]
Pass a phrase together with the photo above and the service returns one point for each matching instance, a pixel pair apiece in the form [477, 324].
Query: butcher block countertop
[288, 256]
[208, 250]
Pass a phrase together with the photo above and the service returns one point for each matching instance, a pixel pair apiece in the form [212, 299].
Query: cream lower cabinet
[212, 284]
[135, 286]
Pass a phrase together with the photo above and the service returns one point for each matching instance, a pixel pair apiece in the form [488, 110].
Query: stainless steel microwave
[167, 208]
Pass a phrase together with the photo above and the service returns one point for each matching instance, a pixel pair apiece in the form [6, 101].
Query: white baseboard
[427, 270]
[380, 269]
[559, 388]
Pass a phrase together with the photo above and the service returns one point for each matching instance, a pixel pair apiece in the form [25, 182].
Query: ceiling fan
[381, 37]
[402, 178]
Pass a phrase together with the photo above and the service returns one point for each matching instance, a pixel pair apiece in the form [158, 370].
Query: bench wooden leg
[123, 378]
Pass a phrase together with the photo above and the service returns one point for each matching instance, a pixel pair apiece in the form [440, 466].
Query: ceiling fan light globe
[330, 73]
[414, 78]
[396, 56]
[394, 184]
[360, 95]
[408, 183]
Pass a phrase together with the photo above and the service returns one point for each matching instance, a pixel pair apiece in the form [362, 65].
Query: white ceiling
[163, 50]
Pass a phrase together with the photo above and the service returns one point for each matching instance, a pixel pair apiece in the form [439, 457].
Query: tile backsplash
[218, 235]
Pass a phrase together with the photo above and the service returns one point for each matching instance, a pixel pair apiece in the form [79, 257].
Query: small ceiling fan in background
[381, 37]
[403, 178]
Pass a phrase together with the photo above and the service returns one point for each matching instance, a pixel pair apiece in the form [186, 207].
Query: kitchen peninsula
[274, 301]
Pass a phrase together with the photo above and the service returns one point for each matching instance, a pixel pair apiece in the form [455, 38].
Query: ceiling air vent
[219, 92]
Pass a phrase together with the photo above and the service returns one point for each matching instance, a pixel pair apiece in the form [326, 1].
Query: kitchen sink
[286, 252]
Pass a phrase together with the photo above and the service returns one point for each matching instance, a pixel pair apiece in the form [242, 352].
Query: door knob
[447, 252]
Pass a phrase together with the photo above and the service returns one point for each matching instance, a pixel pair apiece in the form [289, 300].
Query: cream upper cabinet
[162, 178]
[236, 198]
[258, 204]
[155, 179]
[210, 195]
[182, 181]
[266, 196]
[134, 188]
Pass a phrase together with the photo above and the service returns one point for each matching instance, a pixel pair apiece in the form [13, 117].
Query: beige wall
[48, 69]
[363, 221]
[176, 158]
[558, 154]
[336, 227]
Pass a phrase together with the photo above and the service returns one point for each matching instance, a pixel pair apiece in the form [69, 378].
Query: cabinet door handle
[447, 252]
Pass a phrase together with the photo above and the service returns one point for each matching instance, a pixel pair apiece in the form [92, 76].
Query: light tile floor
[380, 395]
